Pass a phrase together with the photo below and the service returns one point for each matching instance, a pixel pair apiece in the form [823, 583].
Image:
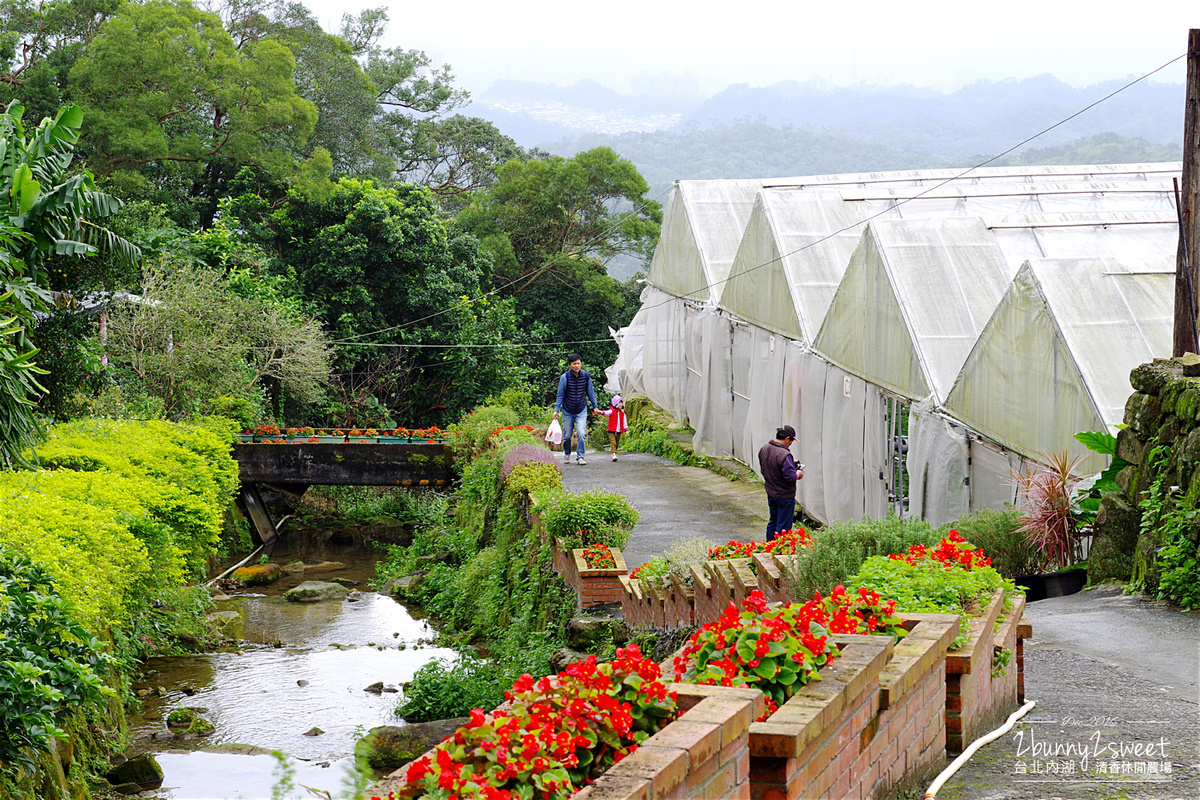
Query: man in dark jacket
[575, 393]
[780, 474]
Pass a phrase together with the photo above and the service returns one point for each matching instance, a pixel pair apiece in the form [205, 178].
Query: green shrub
[583, 518]
[998, 534]
[840, 549]
[533, 476]
[191, 466]
[687, 553]
[440, 689]
[654, 571]
[359, 505]
[472, 435]
[929, 587]
[49, 665]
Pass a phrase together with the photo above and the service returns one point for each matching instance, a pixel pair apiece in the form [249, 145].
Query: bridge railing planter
[873, 722]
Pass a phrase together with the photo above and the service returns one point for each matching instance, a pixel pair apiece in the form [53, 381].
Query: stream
[297, 667]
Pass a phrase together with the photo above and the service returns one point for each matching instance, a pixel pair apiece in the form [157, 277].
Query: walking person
[575, 394]
[617, 423]
[780, 473]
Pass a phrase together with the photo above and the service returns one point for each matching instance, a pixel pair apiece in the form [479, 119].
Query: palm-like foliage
[56, 210]
[1048, 509]
[44, 212]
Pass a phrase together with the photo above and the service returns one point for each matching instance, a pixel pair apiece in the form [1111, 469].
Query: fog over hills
[832, 129]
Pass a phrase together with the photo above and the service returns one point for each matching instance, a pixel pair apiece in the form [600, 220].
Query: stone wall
[1164, 410]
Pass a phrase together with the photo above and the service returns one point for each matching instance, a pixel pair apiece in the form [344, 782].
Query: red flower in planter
[953, 551]
[598, 556]
[557, 735]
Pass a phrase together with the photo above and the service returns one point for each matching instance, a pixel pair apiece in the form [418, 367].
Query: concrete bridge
[289, 469]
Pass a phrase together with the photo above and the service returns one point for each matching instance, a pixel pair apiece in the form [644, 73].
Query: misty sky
[940, 44]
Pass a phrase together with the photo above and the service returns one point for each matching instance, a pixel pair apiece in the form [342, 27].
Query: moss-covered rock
[1142, 411]
[1116, 535]
[142, 771]
[1153, 377]
[589, 634]
[181, 718]
[390, 747]
[257, 574]
[315, 592]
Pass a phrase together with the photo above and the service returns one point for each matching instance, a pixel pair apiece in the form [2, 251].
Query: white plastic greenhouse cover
[760, 263]
[802, 231]
[1056, 356]
[702, 225]
[912, 302]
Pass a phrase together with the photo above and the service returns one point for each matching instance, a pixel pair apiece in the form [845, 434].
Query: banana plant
[57, 211]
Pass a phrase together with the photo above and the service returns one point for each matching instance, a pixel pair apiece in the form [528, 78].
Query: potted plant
[1050, 519]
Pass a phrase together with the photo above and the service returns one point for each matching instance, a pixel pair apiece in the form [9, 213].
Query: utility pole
[1186, 274]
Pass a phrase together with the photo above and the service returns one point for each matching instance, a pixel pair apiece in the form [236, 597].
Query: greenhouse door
[895, 421]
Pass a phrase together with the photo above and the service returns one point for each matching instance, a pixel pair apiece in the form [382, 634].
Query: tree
[381, 269]
[191, 109]
[551, 224]
[38, 195]
[191, 338]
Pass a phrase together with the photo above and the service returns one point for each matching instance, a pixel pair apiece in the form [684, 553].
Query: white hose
[246, 560]
[965, 756]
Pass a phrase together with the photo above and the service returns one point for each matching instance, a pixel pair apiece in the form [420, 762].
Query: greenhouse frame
[927, 333]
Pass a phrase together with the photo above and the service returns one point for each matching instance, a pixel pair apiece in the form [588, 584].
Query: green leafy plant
[1088, 500]
[950, 579]
[1001, 658]
[654, 571]
[442, 689]
[49, 665]
[840, 549]
[583, 518]
[683, 554]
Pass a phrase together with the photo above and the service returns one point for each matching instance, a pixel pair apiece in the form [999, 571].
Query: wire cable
[922, 193]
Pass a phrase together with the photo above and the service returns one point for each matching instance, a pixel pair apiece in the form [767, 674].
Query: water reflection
[304, 666]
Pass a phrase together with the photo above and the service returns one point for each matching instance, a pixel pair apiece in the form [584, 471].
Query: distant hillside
[792, 128]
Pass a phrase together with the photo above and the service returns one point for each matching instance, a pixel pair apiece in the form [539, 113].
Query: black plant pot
[1052, 584]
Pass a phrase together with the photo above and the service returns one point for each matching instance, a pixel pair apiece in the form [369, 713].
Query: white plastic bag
[554, 432]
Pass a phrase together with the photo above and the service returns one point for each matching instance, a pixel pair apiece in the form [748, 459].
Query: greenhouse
[925, 332]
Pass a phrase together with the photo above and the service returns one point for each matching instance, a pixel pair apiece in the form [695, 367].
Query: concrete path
[675, 502]
[1109, 673]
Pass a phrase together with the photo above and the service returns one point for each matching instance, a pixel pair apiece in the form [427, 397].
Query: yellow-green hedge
[120, 507]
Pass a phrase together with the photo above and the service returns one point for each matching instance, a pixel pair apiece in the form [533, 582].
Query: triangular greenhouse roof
[702, 226]
[912, 302]
[1055, 358]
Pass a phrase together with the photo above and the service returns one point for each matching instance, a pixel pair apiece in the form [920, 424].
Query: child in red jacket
[617, 424]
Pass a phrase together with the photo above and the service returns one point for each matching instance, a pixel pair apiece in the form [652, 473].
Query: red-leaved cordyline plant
[555, 737]
[954, 551]
[598, 556]
[785, 543]
[1047, 507]
[779, 648]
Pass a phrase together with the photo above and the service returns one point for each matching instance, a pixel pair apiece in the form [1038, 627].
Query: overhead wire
[779, 258]
[919, 195]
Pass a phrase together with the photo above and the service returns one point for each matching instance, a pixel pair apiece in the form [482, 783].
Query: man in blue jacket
[575, 393]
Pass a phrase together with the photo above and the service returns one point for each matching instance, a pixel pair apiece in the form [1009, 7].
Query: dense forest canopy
[278, 222]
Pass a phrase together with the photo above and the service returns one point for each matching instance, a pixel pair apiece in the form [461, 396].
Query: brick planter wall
[594, 587]
[975, 700]
[874, 722]
[645, 605]
[702, 755]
